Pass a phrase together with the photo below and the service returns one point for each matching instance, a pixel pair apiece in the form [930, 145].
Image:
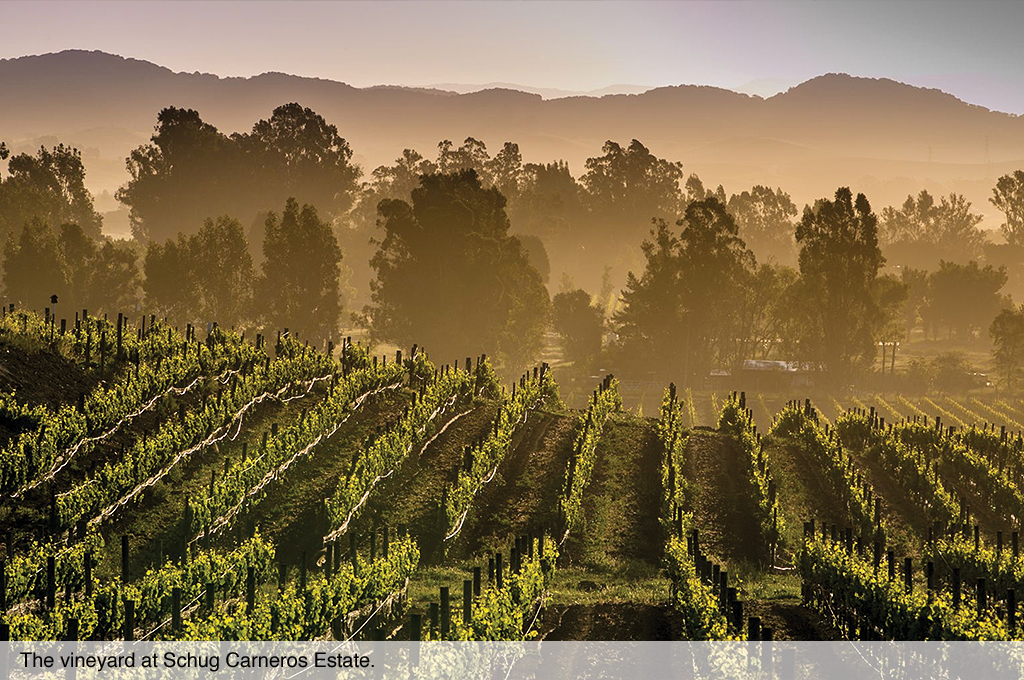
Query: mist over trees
[449, 276]
[457, 252]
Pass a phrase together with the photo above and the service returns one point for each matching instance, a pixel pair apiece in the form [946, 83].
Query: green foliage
[294, 614]
[737, 421]
[103, 614]
[243, 484]
[119, 481]
[841, 583]
[487, 456]
[441, 397]
[581, 463]
[840, 473]
[163, 361]
[504, 614]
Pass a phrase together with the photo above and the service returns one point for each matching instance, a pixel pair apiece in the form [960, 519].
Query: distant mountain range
[879, 136]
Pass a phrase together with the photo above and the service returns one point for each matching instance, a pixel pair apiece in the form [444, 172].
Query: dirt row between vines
[612, 587]
[724, 511]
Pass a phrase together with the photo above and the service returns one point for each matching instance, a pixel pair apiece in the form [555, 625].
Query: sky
[971, 49]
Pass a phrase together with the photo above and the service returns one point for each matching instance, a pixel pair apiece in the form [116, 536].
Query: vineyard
[158, 484]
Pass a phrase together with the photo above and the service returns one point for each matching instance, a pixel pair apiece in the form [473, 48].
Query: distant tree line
[278, 227]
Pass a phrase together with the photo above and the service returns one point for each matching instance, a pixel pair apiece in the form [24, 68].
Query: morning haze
[646, 320]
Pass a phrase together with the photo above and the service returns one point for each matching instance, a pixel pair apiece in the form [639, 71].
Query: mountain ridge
[106, 104]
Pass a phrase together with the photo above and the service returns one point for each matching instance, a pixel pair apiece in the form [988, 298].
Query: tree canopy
[450, 278]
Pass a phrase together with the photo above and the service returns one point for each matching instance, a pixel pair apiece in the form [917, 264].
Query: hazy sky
[972, 49]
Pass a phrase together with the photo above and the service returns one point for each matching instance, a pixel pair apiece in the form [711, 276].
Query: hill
[877, 135]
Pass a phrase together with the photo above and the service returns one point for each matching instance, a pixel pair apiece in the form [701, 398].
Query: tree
[188, 171]
[301, 155]
[114, 279]
[49, 186]
[222, 272]
[627, 187]
[32, 268]
[1008, 197]
[765, 219]
[450, 277]
[685, 308]
[916, 283]
[1007, 333]
[506, 171]
[549, 203]
[472, 155]
[299, 286]
[168, 284]
[922, 232]
[839, 262]
[580, 325]
[963, 298]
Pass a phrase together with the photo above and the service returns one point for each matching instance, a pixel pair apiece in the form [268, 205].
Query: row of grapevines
[581, 464]
[691, 596]
[503, 614]
[102, 614]
[842, 583]
[448, 391]
[151, 458]
[672, 434]
[794, 423]
[59, 435]
[486, 456]
[1000, 568]
[738, 421]
[915, 473]
[977, 456]
[245, 479]
[296, 614]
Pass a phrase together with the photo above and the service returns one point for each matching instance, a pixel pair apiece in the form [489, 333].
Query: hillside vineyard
[207, 486]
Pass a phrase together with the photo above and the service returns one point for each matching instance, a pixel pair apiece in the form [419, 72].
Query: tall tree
[922, 231]
[222, 272]
[49, 186]
[301, 155]
[839, 262]
[627, 187]
[1008, 197]
[685, 308]
[32, 267]
[188, 171]
[580, 325]
[450, 277]
[299, 286]
[114, 279]
[168, 285]
[964, 298]
[765, 219]
[1007, 333]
